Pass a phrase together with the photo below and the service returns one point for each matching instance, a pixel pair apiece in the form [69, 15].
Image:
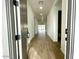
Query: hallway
[44, 46]
[41, 47]
[38, 29]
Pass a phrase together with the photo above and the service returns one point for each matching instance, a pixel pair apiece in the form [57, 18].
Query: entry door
[21, 28]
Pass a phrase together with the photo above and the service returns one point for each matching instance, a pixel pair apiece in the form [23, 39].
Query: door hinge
[16, 3]
[17, 37]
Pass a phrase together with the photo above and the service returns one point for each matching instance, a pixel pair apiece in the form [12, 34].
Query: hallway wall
[52, 21]
[35, 26]
[30, 21]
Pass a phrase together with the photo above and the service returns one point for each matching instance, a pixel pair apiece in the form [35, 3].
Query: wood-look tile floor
[42, 47]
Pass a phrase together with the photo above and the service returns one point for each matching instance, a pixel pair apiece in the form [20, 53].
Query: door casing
[71, 28]
[11, 29]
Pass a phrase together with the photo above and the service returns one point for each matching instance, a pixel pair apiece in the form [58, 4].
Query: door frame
[10, 29]
[71, 28]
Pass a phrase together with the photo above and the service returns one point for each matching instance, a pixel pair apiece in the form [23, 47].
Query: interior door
[21, 28]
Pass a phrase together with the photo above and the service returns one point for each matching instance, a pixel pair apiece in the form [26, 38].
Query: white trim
[71, 29]
[11, 28]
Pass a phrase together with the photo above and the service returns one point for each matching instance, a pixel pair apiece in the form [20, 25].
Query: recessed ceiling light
[41, 4]
[41, 7]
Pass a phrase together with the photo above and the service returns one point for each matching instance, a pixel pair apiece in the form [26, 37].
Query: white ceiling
[47, 4]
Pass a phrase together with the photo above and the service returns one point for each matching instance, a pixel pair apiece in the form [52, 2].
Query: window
[41, 28]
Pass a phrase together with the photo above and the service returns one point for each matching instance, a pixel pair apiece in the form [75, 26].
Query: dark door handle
[66, 31]
[65, 39]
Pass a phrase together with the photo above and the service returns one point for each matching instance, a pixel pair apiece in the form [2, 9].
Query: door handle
[17, 37]
[66, 31]
[28, 34]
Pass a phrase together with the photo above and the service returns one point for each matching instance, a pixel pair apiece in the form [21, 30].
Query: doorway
[53, 24]
[41, 28]
[59, 26]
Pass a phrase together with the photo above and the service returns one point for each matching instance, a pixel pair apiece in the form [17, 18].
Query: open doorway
[48, 15]
[43, 45]
[39, 47]
[59, 26]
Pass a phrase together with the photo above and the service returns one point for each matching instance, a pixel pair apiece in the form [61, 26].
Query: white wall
[52, 21]
[76, 45]
[35, 26]
[4, 41]
[64, 24]
[30, 21]
[1, 50]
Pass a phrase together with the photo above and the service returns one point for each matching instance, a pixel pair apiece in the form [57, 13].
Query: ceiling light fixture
[41, 4]
[41, 7]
